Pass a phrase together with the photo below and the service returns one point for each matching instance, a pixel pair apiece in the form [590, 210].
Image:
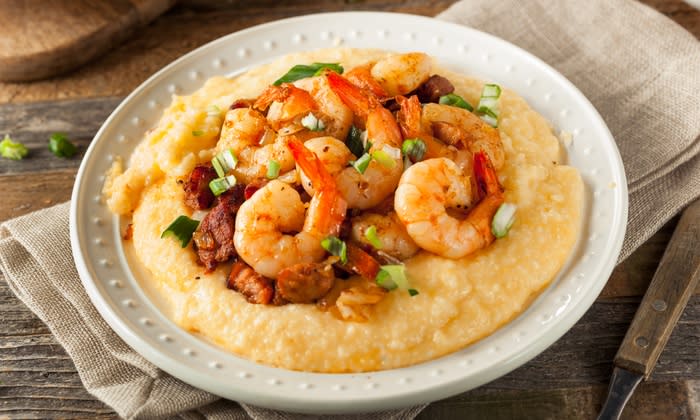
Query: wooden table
[569, 380]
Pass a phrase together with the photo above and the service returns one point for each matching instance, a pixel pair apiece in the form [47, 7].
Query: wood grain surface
[41, 38]
[665, 299]
[568, 380]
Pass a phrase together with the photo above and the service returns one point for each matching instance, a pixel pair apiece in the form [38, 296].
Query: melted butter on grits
[460, 301]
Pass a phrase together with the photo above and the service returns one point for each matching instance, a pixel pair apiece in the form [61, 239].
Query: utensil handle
[672, 285]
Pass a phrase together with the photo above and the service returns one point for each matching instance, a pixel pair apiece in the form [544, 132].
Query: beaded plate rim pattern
[115, 290]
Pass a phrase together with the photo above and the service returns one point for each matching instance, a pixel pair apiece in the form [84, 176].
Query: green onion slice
[182, 228]
[354, 142]
[313, 123]
[60, 146]
[336, 247]
[383, 158]
[273, 169]
[488, 104]
[455, 100]
[384, 280]
[220, 185]
[393, 276]
[224, 162]
[503, 220]
[362, 163]
[11, 149]
[414, 149]
[302, 71]
[372, 238]
[197, 133]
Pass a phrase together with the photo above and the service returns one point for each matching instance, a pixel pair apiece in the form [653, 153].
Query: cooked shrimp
[466, 128]
[411, 124]
[242, 132]
[368, 189]
[361, 77]
[402, 73]
[264, 220]
[429, 188]
[335, 115]
[334, 155]
[285, 104]
[390, 231]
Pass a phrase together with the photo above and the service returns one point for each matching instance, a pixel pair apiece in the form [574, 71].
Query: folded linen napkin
[641, 71]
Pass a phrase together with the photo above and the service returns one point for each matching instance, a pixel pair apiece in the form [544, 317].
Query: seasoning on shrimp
[351, 220]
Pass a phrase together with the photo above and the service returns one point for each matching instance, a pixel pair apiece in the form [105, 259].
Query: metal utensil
[672, 285]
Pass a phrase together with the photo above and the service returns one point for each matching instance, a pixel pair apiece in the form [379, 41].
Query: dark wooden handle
[673, 284]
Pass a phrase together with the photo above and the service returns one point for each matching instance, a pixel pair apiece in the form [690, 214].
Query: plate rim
[342, 403]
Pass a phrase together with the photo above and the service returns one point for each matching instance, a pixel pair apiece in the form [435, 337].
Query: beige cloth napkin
[638, 68]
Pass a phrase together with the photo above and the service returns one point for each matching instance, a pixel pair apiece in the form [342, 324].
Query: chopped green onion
[197, 133]
[220, 185]
[393, 276]
[412, 292]
[455, 100]
[488, 104]
[384, 280]
[60, 146]
[313, 123]
[414, 149]
[182, 228]
[371, 235]
[503, 220]
[336, 247]
[273, 169]
[302, 71]
[354, 142]
[224, 162]
[11, 149]
[214, 111]
[383, 158]
[362, 163]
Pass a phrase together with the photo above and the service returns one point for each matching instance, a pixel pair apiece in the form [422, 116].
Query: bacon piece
[433, 88]
[360, 262]
[213, 239]
[246, 281]
[305, 282]
[198, 195]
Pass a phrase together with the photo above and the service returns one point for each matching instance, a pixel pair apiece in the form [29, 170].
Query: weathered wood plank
[33, 123]
[664, 400]
[23, 194]
[121, 70]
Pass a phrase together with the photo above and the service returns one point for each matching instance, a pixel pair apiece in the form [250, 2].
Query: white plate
[115, 290]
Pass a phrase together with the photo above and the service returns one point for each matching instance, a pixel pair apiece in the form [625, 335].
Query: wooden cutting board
[43, 38]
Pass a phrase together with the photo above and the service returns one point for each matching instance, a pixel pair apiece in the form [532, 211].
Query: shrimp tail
[408, 116]
[485, 174]
[492, 197]
[284, 92]
[271, 94]
[362, 77]
[355, 98]
[328, 205]
[409, 119]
